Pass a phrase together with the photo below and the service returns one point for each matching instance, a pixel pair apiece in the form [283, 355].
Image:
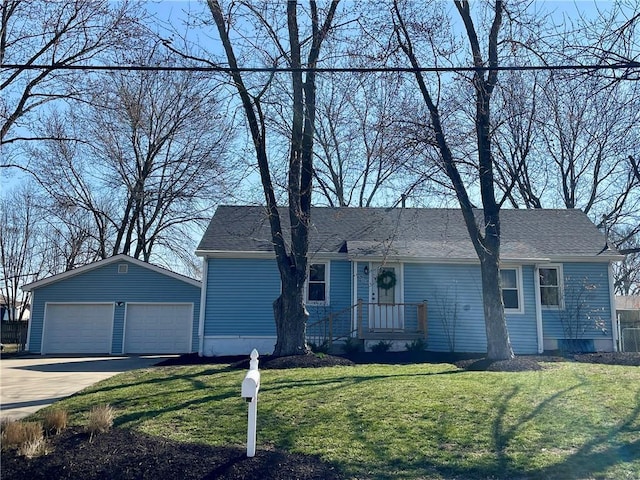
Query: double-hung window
[550, 278]
[318, 284]
[511, 290]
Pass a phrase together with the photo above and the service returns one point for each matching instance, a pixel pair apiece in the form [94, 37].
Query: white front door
[386, 311]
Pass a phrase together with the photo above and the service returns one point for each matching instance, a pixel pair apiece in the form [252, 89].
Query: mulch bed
[128, 455]
[611, 358]
[266, 362]
[532, 362]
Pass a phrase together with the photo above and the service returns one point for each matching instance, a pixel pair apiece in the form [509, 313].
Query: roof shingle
[409, 232]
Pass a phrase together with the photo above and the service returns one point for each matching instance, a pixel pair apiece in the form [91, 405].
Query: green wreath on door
[386, 279]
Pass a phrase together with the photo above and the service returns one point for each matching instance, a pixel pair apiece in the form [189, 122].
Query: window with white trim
[318, 284]
[511, 290]
[550, 278]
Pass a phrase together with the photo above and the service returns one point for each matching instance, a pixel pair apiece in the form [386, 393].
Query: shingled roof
[402, 233]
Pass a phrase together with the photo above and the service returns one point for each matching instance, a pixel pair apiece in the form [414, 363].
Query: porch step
[391, 335]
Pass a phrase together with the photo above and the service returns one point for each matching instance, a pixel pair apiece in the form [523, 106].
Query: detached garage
[114, 306]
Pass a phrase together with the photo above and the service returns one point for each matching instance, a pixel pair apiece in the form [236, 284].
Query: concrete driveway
[28, 384]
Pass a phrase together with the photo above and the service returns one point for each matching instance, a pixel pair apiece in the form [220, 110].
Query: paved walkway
[28, 384]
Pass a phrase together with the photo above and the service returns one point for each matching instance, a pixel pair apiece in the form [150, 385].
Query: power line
[216, 68]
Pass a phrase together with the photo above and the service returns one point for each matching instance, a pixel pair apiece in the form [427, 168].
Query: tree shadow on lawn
[602, 451]
[342, 381]
[591, 460]
[142, 415]
[172, 375]
[136, 418]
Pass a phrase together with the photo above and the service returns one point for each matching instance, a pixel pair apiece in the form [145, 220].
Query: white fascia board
[268, 255]
[398, 259]
[585, 259]
[405, 259]
[319, 256]
[230, 254]
[401, 259]
[103, 263]
[446, 260]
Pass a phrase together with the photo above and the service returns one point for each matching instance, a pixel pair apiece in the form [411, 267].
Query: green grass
[570, 421]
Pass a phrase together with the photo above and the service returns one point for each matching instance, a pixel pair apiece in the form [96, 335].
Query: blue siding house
[114, 306]
[398, 275]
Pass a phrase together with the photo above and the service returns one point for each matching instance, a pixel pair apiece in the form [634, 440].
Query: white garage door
[158, 328]
[77, 328]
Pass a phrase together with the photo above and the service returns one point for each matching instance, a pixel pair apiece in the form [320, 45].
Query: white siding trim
[203, 304]
[354, 296]
[538, 302]
[615, 335]
[124, 326]
[33, 302]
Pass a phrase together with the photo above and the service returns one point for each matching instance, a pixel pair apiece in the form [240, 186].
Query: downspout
[536, 291]
[203, 305]
[612, 300]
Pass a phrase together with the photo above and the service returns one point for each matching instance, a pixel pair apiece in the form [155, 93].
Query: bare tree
[627, 272]
[485, 235]
[572, 147]
[297, 51]
[366, 147]
[148, 167]
[71, 235]
[42, 32]
[588, 135]
[22, 249]
[611, 38]
[521, 171]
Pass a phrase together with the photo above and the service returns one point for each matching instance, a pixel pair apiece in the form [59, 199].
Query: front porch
[372, 322]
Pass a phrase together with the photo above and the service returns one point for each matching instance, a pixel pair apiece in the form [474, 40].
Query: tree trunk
[289, 308]
[498, 343]
[291, 321]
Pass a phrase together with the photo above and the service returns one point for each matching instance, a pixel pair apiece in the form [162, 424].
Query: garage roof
[107, 261]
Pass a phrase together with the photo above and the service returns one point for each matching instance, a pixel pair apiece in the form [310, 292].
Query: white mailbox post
[250, 387]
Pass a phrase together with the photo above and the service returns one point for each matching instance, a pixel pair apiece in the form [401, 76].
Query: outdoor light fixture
[120, 304]
[366, 270]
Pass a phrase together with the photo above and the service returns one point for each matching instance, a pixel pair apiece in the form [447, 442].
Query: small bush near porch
[567, 421]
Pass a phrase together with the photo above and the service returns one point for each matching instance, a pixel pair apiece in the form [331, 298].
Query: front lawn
[568, 421]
